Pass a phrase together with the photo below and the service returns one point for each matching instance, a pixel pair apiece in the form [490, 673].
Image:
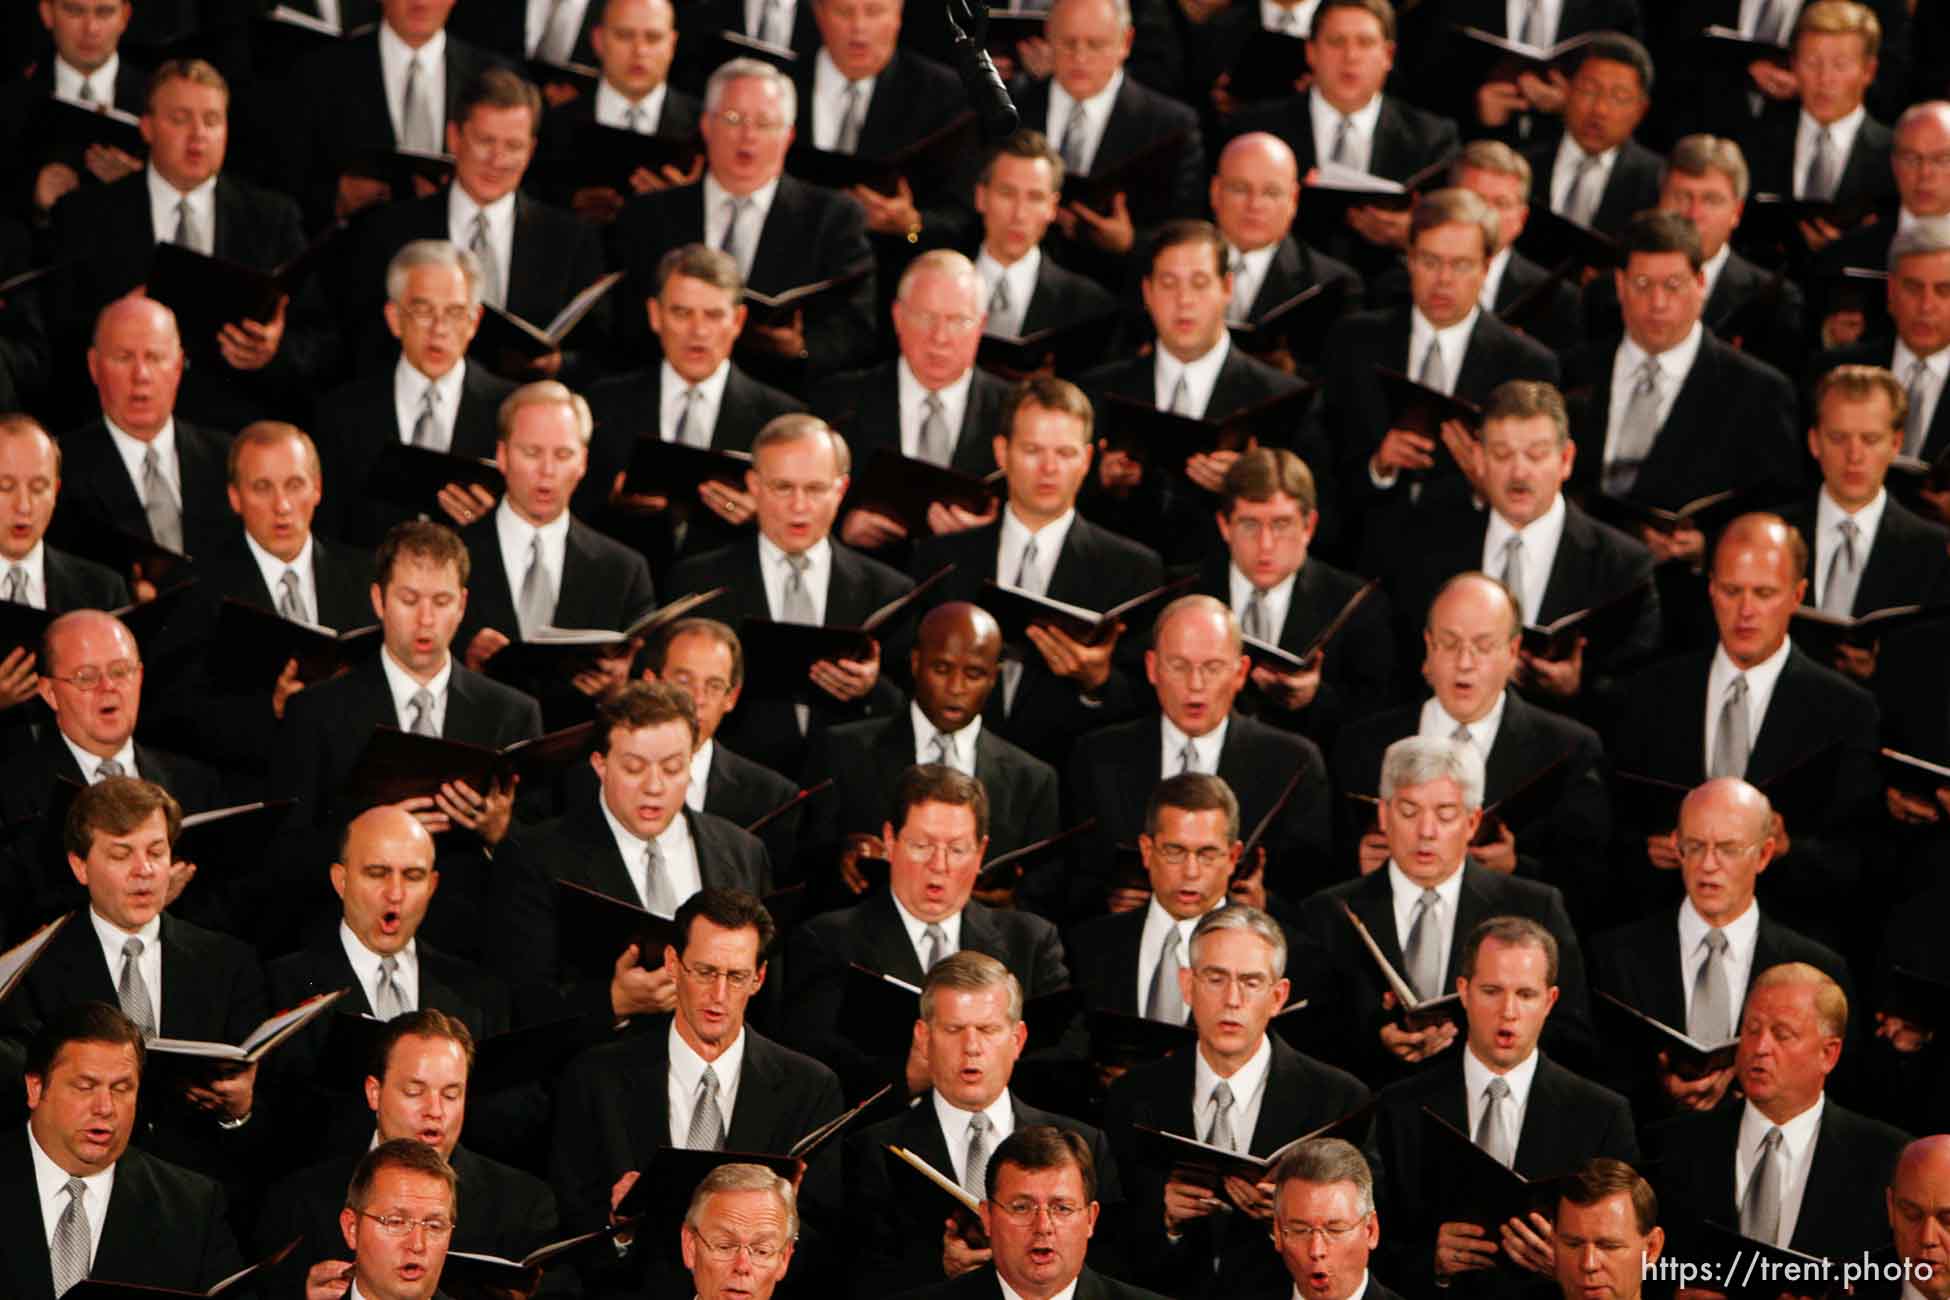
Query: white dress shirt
[1404, 894]
[134, 450]
[687, 1072]
[1096, 111]
[1761, 679]
[365, 968]
[112, 937]
[1675, 363]
[1069, 1292]
[699, 789]
[1248, 1084]
[462, 211]
[515, 535]
[1290, 20]
[773, 565]
[912, 395]
[1540, 540]
[1276, 600]
[1360, 1291]
[671, 388]
[613, 108]
[1207, 747]
[1741, 933]
[1248, 275]
[1750, 11]
[90, 763]
[755, 18]
[954, 1123]
[1013, 540]
[717, 216]
[402, 686]
[535, 24]
[1201, 375]
[674, 846]
[1791, 1162]
[1828, 534]
[165, 202]
[1712, 267]
[51, 1184]
[1451, 340]
[1435, 721]
[272, 569]
[1159, 923]
[1493, 280]
[961, 744]
[1937, 365]
[1543, 32]
[1564, 172]
[409, 390]
[1476, 1078]
[394, 56]
[829, 100]
[1360, 137]
[68, 81]
[35, 562]
[1021, 279]
[917, 929]
[1841, 139]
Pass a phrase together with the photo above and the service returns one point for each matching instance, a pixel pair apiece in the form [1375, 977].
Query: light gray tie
[1423, 953]
[88, 95]
[1823, 174]
[1710, 1019]
[1221, 1134]
[944, 750]
[1240, 310]
[1513, 567]
[483, 248]
[1530, 28]
[537, 596]
[771, 24]
[658, 896]
[798, 601]
[1255, 623]
[1461, 733]
[187, 235]
[1772, 19]
[422, 705]
[1072, 146]
[685, 434]
[1760, 1210]
[133, 991]
[426, 428]
[1493, 1130]
[389, 995]
[416, 113]
[558, 43]
[1342, 142]
[159, 504]
[1844, 572]
[1188, 758]
[1181, 397]
[17, 584]
[1290, 23]
[1166, 1000]
[737, 245]
[935, 445]
[1582, 199]
[291, 598]
[1026, 572]
[975, 1168]
[1027, 576]
[1915, 429]
[999, 305]
[707, 1117]
[1636, 432]
[1434, 373]
[852, 116]
[71, 1239]
[638, 120]
[935, 947]
[1734, 741]
[106, 768]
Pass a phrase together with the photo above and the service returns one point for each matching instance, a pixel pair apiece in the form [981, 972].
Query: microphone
[968, 21]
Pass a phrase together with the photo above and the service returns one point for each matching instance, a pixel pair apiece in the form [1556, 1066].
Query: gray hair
[1418, 760]
[757, 70]
[942, 261]
[744, 1178]
[1930, 235]
[433, 252]
[1696, 155]
[802, 426]
[1121, 8]
[1237, 916]
[969, 971]
[1328, 1160]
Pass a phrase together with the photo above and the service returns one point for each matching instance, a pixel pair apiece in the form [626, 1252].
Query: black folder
[1687, 1057]
[398, 765]
[208, 293]
[67, 131]
[672, 1174]
[1150, 170]
[779, 656]
[902, 489]
[1265, 654]
[1060, 349]
[401, 168]
[1603, 625]
[413, 476]
[676, 470]
[469, 1276]
[608, 156]
[595, 929]
[559, 653]
[253, 645]
[502, 333]
[925, 164]
[777, 308]
[1017, 611]
[1268, 65]
[1168, 440]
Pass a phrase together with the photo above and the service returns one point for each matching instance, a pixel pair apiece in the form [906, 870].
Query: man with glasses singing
[1324, 1223]
[399, 1220]
[739, 1232]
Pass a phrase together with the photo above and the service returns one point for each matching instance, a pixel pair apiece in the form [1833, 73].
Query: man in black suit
[782, 24]
[1916, 1193]
[1523, 1109]
[1515, 99]
[1788, 1166]
[84, 68]
[956, 664]
[136, 468]
[559, 33]
[1196, 666]
[394, 88]
[1017, 196]
[434, 398]
[966, 1043]
[1324, 1221]
[1605, 1233]
[930, 404]
[540, 566]
[1597, 175]
[794, 572]
[782, 232]
[1725, 938]
[1240, 1089]
[936, 837]
[401, 1181]
[418, 1093]
[1757, 708]
[1420, 904]
[72, 1163]
[1059, 687]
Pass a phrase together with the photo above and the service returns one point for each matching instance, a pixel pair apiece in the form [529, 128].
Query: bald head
[1256, 191]
[1725, 841]
[956, 651]
[1923, 132]
[385, 878]
[1732, 796]
[1757, 583]
[1919, 1213]
[1470, 645]
[86, 645]
[137, 364]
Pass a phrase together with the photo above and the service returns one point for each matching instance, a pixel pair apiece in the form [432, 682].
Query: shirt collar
[991, 268]
[1476, 1076]
[513, 530]
[1900, 360]
[50, 1179]
[35, 562]
[1540, 535]
[134, 448]
[462, 209]
[1437, 721]
[1016, 534]
[365, 962]
[1279, 594]
[1455, 338]
[829, 80]
[954, 396]
[820, 553]
[113, 936]
[1742, 932]
[409, 383]
[710, 388]
[68, 80]
[1097, 107]
[962, 741]
[1714, 265]
[1797, 1135]
[88, 762]
[1675, 363]
[1829, 514]
[1208, 746]
[687, 1067]
[272, 567]
[164, 196]
[1244, 1082]
[403, 685]
[1406, 891]
[613, 106]
[1364, 117]
[716, 196]
[397, 53]
[1841, 131]
[917, 928]
[1201, 372]
[1570, 153]
[1760, 678]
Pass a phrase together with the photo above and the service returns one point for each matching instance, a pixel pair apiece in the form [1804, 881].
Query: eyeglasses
[1617, 96]
[710, 688]
[814, 493]
[1073, 46]
[1217, 979]
[760, 1253]
[1430, 264]
[732, 118]
[1175, 854]
[1911, 158]
[708, 976]
[929, 321]
[1252, 529]
[118, 674]
[1672, 284]
[455, 316]
[924, 850]
[398, 1225]
[1725, 850]
[1026, 1211]
[1210, 670]
[1331, 1233]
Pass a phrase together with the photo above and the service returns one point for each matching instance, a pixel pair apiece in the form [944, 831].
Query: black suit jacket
[1555, 322]
[1138, 117]
[913, 97]
[1062, 297]
[983, 1284]
[20, 106]
[763, 727]
[1908, 564]
[196, 1252]
[502, 30]
[1866, 174]
[355, 423]
[75, 583]
[1747, 308]
[98, 495]
[866, 403]
[701, 52]
[1301, 1094]
[1631, 187]
[561, 169]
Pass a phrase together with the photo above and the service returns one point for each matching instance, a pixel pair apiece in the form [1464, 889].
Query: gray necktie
[1026, 571]
[1733, 742]
[291, 598]
[1461, 733]
[1529, 29]
[999, 305]
[736, 243]
[1221, 1134]
[187, 235]
[1240, 309]
[771, 24]
[935, 446]
[798, 601]
[1513, 567]
[1493, 1130]
[1072, 146]
[389, 995]
[416, 112]
[707, 1118]
[685, 434]
[1254, 623]
[1844, 572]
[658, 896]
[70, 1254]
[1772, 19]
[483, 248]
[1188, 758]
[1710, 1019]
[944, 750]
[638, 120]
[1423, 954]
[558, 43]
[1026, 580]
[1166, 1001]
[1342, 141]
[1636, 432]
[426, 428]
[422, 705]
[106, 768]
[1823, 174]
[159, 504]
[1582, 199]
[852, 116]
[1760, 1209]
[1435, 372]
[17, 584]
[935, 946]
[1181, 397]
[537, 605]
[1290, 23]
[975, 1168]
[1915, 431]
[87, 95]
[133, 991]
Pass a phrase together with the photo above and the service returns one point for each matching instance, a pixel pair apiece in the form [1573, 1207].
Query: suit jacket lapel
[1548, 1130]
[1789, 732]
[23, 1240]
[579, 602]
[887, 948]
[607, 870]
[1472, 905]
[128, 1229]
[1374, 904]
[528, 260]
[761, 1086]
[1575, 546]
[649, 1118]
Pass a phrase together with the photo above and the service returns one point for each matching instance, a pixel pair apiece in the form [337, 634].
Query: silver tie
[17, 584]
[853, 116]
[1343, 139]
[771, 24]
[798, 601]
[1166, 1000]
[187, 235]
[558, 43]
[1773, 18]
[389, 995]
[537, 605]
[1188, 758]
[88, 95]
[935, 940]
[999, 305]
[1423, 953]
[1915, 427]
[1823, 173]
[291, 598]
[1760, 1209]
[975, 1168]
[71, 1239]
[944, 750]
[1530, 28]
[736, 243]
[1240, 309]
[426, 428]
[1586, 192]
[1844, 572]
[1493, 1131]
[1181, 397]
[159, 504]
[1710, 1019]
[658, 895]
[1026, 572]
[416, 114]
[1435, 372]
[1461, 734]
[934, 446]
[1513, 568]
[1072, 146]
[106, 768]
[1221, 1133]
[685, 434]
[422, 705]
[1027, 579]
[707, 1117]
[638, 120]
[133, 991]
[1734, 742]
[1255, 622]
[1636, 432]
[492, 290]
